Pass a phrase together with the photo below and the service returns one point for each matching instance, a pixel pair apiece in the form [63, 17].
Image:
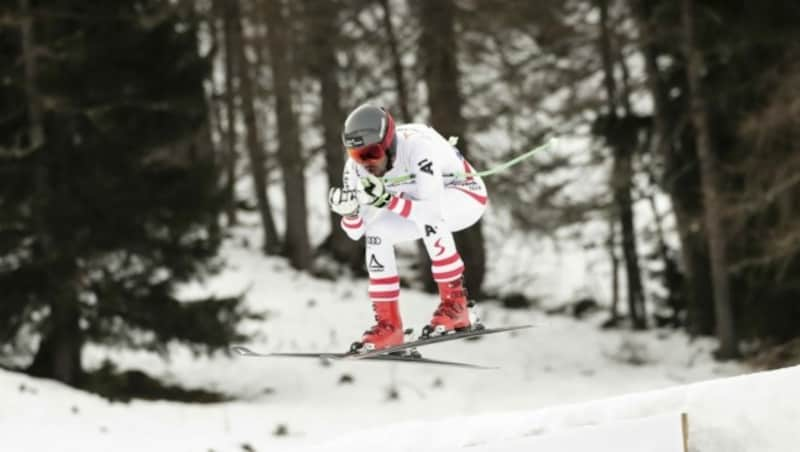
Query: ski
[432, 340]
[402, 352]
[421, 360]
[408, 358]
[244, 351]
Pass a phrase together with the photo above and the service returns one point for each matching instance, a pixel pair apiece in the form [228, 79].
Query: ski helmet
[368, 133]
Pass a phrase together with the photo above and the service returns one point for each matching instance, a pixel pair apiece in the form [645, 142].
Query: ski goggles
[367, 154]
[378, 142]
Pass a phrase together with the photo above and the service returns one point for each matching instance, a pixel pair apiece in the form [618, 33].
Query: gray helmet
[368, 125]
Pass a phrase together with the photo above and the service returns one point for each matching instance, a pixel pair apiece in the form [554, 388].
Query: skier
[431, 207]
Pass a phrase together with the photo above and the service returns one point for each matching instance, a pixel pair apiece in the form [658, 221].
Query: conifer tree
[117, 203]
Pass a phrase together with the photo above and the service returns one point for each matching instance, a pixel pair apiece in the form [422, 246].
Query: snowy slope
[758, 412]
[560, 361]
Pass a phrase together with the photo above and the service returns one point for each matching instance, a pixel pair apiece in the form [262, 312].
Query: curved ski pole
[502, 167]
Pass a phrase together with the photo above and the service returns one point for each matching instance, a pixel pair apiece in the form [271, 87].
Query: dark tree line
[741, 263]
[109, 193]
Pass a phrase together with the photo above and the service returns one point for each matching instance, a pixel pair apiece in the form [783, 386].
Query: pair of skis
[405, 352]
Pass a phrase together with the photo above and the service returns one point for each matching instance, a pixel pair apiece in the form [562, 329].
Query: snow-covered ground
[757, 412]
[547, 376]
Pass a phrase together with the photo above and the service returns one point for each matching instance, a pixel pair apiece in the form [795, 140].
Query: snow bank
[756, 412]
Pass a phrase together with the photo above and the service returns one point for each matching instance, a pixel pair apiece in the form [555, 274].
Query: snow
[560, 374]
[754, 412]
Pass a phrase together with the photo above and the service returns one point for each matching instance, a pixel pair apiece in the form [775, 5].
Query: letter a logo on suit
[429, 230]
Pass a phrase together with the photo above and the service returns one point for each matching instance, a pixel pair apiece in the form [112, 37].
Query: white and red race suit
[430, 207]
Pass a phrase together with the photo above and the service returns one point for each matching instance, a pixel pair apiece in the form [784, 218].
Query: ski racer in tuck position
[430, 206]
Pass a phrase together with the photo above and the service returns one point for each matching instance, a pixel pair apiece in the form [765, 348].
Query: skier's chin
[375, 170]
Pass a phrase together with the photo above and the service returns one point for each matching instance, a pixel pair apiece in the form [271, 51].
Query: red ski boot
[453, 311]
[388, 330]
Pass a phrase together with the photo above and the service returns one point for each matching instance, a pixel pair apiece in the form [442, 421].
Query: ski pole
[502, 167]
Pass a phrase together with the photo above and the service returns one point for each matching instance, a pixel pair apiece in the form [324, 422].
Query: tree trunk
[612, 254]
[438, 53]
[397, 63]
[622, 143]
[322, 22]
[216, 111]
[59, 354]
[710, 184]
[34, 103]
[697, 266]
[683, 188]
[255, 150]
[658, 219]
[623, 176]
[205, 138]
[297, 247]
[231, 52]
[332, 117]
[679, 181]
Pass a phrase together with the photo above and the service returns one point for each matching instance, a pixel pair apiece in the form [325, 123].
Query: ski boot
[455, 312]
[387, 331]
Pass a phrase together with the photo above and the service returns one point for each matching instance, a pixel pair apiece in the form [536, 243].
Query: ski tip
[241, 350]
[522, 327]
[512, 328]
[479, 367]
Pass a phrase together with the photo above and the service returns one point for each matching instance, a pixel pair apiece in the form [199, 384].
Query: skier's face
[377, 167]
[372, 157]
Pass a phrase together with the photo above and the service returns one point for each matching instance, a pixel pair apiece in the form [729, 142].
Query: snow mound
[759, 411]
